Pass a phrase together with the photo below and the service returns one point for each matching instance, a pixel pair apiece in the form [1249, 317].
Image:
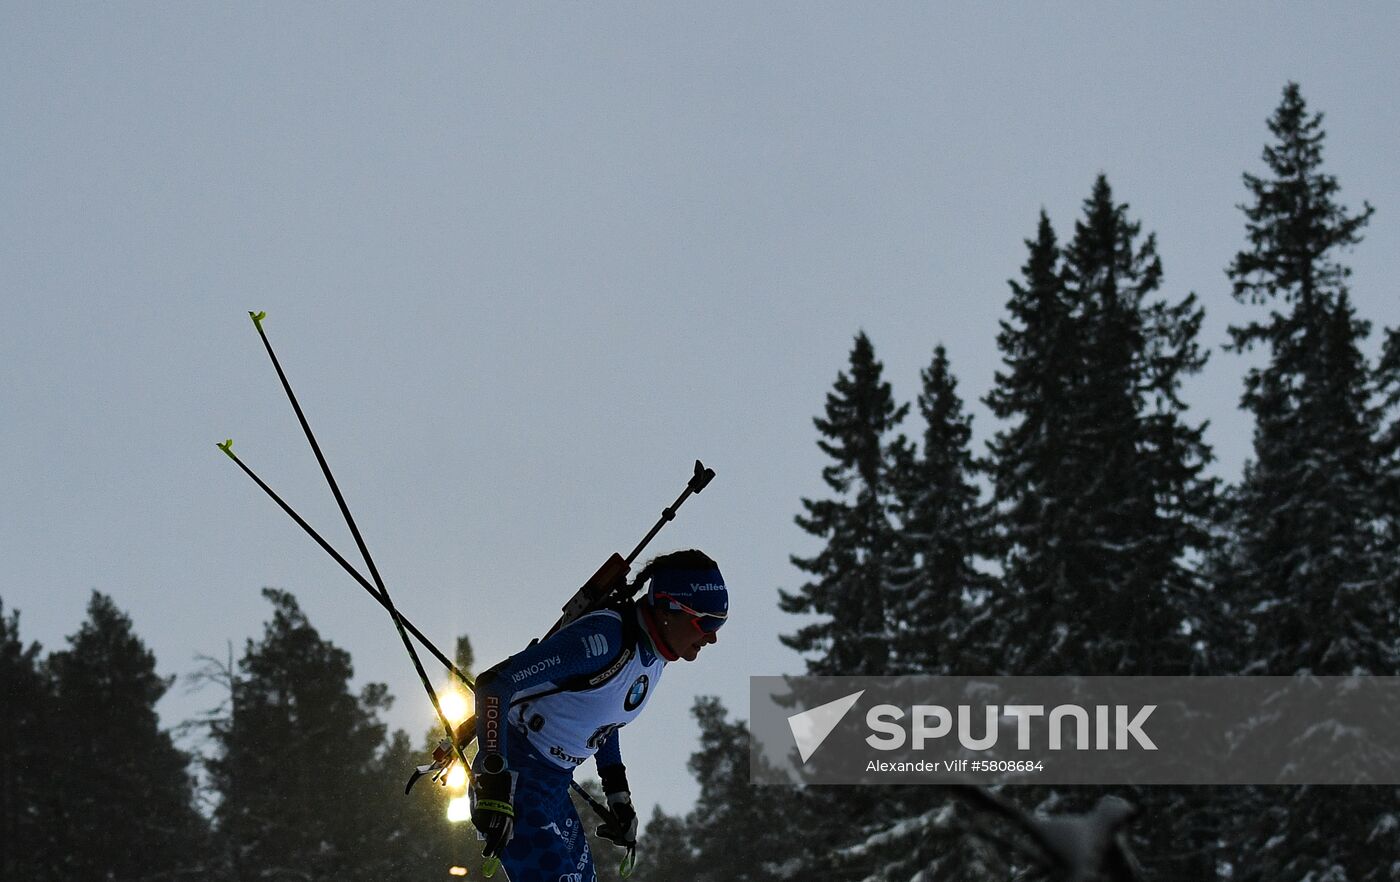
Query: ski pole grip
[257, 318]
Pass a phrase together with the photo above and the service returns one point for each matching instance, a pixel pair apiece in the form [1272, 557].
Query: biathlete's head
[685, 604]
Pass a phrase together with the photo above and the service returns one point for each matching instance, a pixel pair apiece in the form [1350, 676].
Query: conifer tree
[1034, 474]
[736, 831]
[669, 852]
[127, 808]
[302, 791]
[1144, 507]
[731, 824]
[856, 576]
[852, 575]
[1388, 480]
[1102, 503]
[1304, 567]
[28, 816]
[1305, 504]
[945, 530]
[1141, 508]
[1098, 477]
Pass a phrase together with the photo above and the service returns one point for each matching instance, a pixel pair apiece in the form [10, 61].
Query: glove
[493, 808]
[622, 829]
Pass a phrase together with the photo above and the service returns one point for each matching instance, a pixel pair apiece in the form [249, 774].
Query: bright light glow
[458, 810]
[457, 777]
[455, 706]
[457, 871]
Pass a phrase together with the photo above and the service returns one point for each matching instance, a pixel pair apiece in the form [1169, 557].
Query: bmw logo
[636, 693]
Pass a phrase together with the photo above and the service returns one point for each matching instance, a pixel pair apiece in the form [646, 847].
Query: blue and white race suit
[548, 709]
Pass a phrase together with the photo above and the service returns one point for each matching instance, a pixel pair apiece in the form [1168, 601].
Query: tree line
[300, 778]
[1088, 538]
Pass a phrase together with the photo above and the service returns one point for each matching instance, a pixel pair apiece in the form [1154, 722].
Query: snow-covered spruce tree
[301, 792]
[28, 742]
[1101, 499]
[945, 528]
[1304, 568]
[1143, 509]
[1388, 482]
[850, 589]
[1033, 474]
[853, 582]
[127, 805]
[1305, 505]
[1145, 505]
[1098, 478]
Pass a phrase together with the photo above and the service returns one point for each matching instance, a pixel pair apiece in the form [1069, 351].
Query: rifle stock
[610, 577]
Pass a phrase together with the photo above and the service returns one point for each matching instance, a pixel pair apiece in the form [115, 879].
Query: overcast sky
[525, 262]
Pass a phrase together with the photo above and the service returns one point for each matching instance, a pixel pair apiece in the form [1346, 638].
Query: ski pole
[629, 861]
[257, 318]
[227, 447]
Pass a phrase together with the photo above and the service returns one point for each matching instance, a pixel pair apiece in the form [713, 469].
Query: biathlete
[545, 710]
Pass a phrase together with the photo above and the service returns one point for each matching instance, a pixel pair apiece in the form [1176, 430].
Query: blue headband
[698, 591]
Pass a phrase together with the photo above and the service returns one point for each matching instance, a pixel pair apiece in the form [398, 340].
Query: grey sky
[524, 263]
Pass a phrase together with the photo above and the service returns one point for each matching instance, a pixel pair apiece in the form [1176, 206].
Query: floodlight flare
[459, 809]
